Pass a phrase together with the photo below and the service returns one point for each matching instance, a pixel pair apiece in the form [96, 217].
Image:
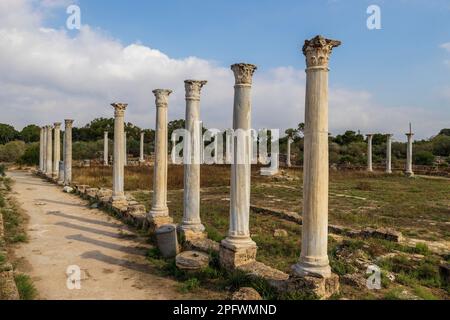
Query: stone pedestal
[389, 153]
[118, 198]
[409, 150]
[316, 287]
[56, 149]
[141, 154]
[105, 148]
[191, 226]
[238, 248]
[369, 153]
[68, 152]
[314, 257]
[49, 153]
[159, 213]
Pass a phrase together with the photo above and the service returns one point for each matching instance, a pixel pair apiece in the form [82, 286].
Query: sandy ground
[63, 231]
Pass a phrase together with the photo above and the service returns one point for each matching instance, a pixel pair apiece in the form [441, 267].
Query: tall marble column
[238, 248]
[118, 198]
[389, 153]
[369, 152]
[409, 152]
[44, 150]
[125, 155]
[105, 148]
[41, 150]
[56, 149]
[141, 150]
[68, 152]
[49, 152]
[288, 152]
[159, 213]
[314, 257]
[191, 225]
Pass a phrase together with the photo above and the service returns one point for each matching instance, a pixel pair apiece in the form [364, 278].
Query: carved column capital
[119, 109]
[57, 125]
[162, 97]
[318, 51]
[68, 123]
[193, 88]
[243, 73]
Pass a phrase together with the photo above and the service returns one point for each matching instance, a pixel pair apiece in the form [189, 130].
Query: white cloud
[47, 76]
[446, 46]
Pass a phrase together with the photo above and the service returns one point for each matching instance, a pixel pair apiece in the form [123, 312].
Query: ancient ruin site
[316, 170]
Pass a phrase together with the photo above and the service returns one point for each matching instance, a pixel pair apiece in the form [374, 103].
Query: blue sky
[401, 67]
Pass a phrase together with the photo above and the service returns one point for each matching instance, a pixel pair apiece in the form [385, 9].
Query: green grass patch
[25, 286]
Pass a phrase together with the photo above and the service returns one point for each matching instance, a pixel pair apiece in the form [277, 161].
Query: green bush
[31, 155]
[424, 158]
[12, 151]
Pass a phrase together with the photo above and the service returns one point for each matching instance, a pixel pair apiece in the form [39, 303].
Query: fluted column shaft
[288, 153]
[68, 152]
[56, 149]
[314, 257]
[49, 152]
[389, 153]
[118, 195]
[141, 149]
[125, 155]
[41, 150]
[369, 152]
[191, 210]
[409, 154]
[105, 148]
[159, 201]
[239, 231]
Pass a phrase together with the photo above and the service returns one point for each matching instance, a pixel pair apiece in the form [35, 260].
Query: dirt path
[63, 231]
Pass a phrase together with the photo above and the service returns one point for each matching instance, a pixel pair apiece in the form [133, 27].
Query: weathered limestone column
[41, 151]
[49, 152]
[125, 156]
[369, 152]
[389, 153]
[105, 148]
[118, 198]
[159, 214]
[288, 153]
[314, 258]
[191, 225]
[141, 153]
[56, 149]
[68, 152]
[238, 248]
[44, 151]
[409, 168]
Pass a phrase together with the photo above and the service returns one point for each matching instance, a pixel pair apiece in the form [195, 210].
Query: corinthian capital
[68, 123]
[162, 97]
[243, 72]
[119, 109]
[193, 88]
[318, 51]
[57, 125]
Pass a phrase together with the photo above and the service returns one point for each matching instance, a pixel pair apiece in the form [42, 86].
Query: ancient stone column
[49, 152]
[44, 151]
[369, 152]
[41, 151]
[118, 198]
[314, 258]
[159, 213]
[389, 153]
[191, 225]
[288, 153]
[125, 156]
[56, 149]
[238, 248]
[409, 168]
[141, 153]
[105, 148]
[68, 152]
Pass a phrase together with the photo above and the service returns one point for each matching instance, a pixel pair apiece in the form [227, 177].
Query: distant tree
[348, 137]
[7, 133]
[445, 132]
[425, 158]
[12, 151]
[441, 145]
[30, 133]
[31, 155]
[378, 139]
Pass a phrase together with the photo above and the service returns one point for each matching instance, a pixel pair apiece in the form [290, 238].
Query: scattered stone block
[192, 261]
[166, 237]
[203, 245]
[323, 288]
[246, 293]
[82, 188]
[354, 280]
[280, 233]
[383, 233]
[92, 192]
[273, 276]
[232, 256]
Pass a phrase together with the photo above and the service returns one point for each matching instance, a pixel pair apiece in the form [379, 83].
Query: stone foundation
[191, 235]
[234, 255]
[322, 288]
[157, 222]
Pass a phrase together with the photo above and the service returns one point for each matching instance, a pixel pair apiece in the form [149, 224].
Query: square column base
[191, 235]
[320, 287]
[235, 253]
[409, 174]
[120, 204]
[155, 222]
